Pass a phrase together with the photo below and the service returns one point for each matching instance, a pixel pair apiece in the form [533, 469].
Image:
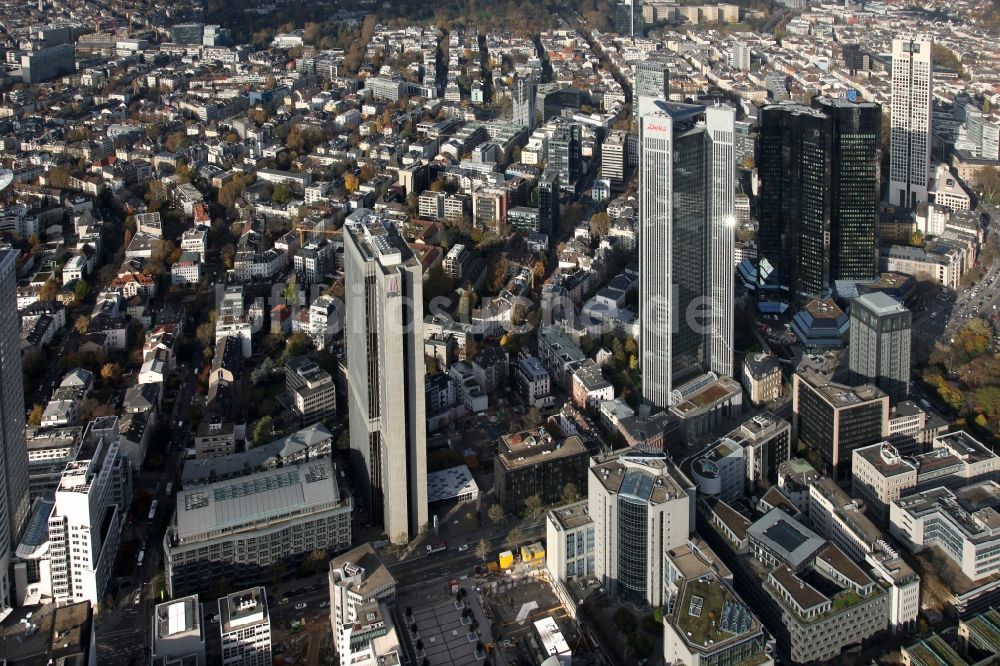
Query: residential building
[641, 505]
[910, 131]
[385, 372]
[13, 451]
[880, 344]
[179, 632]
[455, 262]
[833, 419]
[818, 194]
[312, 390]
[534, 463]
[534, 382]
[215, 436]
[686, 184]
[947, 191]
[590, 387]
[239, 529]
[245, 624]
[963, 524]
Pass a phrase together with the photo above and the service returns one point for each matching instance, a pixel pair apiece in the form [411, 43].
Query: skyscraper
[385, 372]
[628, 18]
[548, 202]
[720, 126]
[685, 202]
[524, 101]
[881, 331]
[818, 197]
[652, 83]
[910, 134]
[14, 449]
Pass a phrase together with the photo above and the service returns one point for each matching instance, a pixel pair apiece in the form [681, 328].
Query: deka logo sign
[656, 128]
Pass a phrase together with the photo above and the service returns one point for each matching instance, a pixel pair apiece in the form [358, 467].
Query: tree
[600, 223]
[80, 290]
[570, 493]
[282, 193]
[263, 429]
[49, 290]
[624, 620]
[515, 536]
[497, 514]
[81, 324]
[111, 372]
[351, 183]
[482, 548]
[988, 181]
[533, 506]
[35, 417]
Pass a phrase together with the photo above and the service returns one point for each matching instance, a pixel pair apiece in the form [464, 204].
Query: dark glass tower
[818, 169]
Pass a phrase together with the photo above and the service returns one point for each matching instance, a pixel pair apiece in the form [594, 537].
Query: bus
[142, 555]
[152, 510]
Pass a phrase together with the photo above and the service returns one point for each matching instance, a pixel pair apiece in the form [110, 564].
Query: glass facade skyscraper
[686, 212]
[818, 172]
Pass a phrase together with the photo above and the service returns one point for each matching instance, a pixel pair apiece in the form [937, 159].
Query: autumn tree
[483, 550]
[81, 324]
[570, 493]
[533, 506]
[35, 415]
[497, 514]
[49, 290]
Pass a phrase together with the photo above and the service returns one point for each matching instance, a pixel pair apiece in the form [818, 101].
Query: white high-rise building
[85, 524]
[641, 505]
[686, 208]
[178, 632]
[910, 133]
[720, 122]
[385, 373]
[245, 625]
[13, 448]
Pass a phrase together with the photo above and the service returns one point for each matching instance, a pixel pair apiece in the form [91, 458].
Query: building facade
[910, 132]
[880, 344]
[245, 624]
[385, 368]
[686, 169]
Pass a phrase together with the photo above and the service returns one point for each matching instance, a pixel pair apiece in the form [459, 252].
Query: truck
[436, 547]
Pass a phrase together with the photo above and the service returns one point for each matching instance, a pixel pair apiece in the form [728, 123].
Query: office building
[86, 521]
[628, 18]
[833, 419]
[746, 460]
[880, 344]
[641, 505]
[187, 33]
[651, 84]
[245, 625]
[385, 373]
[524, 109]
[818, 195]
[548, 202]
[13, 448]
[685, 192]
[361, 588]
[311, 389]
[614, 157]
[710, 624]
[910, 131]
[533, 462]
[48, 63]
[762, 378]
[880, 474]
[241, 529]
[569, 535]
[913, 430]
[964, 524]
[564, 155]
[738, 56]
[179, 633]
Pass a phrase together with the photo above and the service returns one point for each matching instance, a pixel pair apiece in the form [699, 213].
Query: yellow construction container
[506, 559]
[533, 553]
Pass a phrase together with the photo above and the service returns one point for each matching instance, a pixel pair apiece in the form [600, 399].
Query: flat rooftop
[572, 516]
[647, 477]
[530, 447]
